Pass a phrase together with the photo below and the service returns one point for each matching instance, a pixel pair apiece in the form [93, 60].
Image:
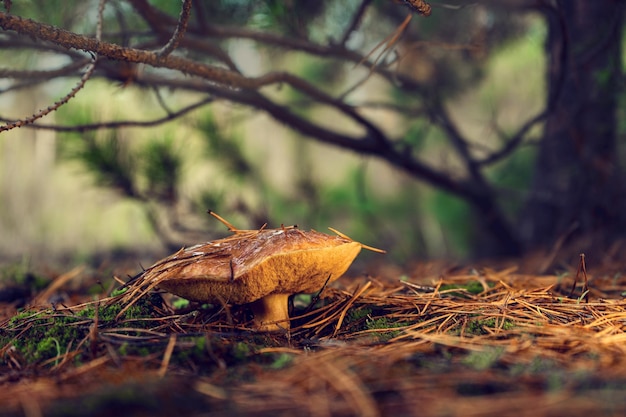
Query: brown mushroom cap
[250, 265]
[262, 267]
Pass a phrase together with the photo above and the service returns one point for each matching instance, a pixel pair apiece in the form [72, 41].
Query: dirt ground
[430, 340]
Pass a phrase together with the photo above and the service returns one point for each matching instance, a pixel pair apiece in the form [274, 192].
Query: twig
[514, 141]
[348, 305]
[179, 32]
[356, 21]
[316, 297]
[124, 123]
[88, 73]
[581, 268]
[167, 356]
[161, 101]
[45, 74]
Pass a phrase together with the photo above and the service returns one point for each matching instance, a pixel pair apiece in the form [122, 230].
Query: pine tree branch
[117, 124]
[181, 27]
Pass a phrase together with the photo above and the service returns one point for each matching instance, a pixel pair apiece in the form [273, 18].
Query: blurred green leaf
[108, 160]
[162, 164]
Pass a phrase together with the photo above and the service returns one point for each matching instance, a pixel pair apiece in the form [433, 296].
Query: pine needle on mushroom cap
[263, 267]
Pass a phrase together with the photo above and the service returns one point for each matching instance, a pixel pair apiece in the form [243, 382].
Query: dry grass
[501, 343]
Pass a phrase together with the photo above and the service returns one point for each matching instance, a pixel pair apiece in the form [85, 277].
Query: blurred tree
[192, 50]
[577, 186]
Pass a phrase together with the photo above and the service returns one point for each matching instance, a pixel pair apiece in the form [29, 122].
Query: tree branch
[157, 20]
[43, 74]
[366, 144]
[374, 143]
[514, 141]
[208, 72]
[90, 69]
[179, 32]
[356, 21]
[117, 124]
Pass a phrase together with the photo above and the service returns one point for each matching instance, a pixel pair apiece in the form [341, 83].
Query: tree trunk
[577, 185]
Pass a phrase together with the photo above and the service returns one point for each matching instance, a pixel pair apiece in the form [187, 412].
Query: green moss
[180, 303]
[20, 274]
[48, 334]
[118, 291]
[383, 323]
[479, 326]
[472, 287]
[484, 359]
[48, 348]
[241, 351]
[282, 361]
[45, 336]
[355, 315]
[142, 309]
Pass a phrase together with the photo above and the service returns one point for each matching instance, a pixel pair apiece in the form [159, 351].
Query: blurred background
[460, 103]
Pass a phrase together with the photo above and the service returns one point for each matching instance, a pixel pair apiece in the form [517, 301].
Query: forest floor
[432, 340]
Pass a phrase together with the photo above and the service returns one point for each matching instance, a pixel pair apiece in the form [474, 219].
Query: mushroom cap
[252, 264]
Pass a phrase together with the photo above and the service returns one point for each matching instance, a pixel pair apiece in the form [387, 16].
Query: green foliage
[224, 150]
[113, 163]
[241, 351]
[282, 361]
[20, 273]
[514, 174]
[162, 164]
[455, 216]
[291, 18]
[180, 303]
[416, 135]
[482, 360]
[106, 158]
[118, 291]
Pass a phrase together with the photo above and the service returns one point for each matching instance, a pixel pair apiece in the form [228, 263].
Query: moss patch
[40, 336]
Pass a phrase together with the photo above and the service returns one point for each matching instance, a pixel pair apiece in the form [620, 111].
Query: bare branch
[181, 27]
[72, 40]
[441, 117]
[73, 91]
[366, 144]
[514, 141]
[118, 124]
[22, 85]
[160, 22]
[356, 21]
[208, 72]
[43, 74]
[157, 20]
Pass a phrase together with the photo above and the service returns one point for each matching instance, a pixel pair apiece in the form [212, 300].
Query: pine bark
[577, 187]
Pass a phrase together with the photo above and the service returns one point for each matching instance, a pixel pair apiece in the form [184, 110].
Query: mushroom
[257, 267]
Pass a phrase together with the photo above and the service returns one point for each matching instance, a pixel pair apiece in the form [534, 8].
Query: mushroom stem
[271, 313]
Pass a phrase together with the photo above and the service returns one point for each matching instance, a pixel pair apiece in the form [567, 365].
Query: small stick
[220, 218]
[581, 267]
[317, 296]
[167, 355]
[179, 32]
[373, 249]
